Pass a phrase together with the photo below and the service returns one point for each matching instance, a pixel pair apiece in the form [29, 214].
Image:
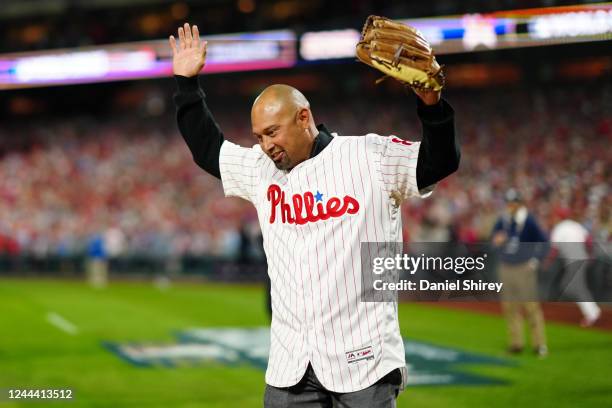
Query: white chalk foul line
[61, 323]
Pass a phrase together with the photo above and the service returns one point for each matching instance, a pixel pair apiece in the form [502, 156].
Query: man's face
[281, 133]
[513, 206]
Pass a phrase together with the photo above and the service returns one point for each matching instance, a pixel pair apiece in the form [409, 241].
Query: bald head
[279, 97]
[283, 124]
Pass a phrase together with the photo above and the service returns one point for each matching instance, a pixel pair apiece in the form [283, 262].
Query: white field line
[61, 323]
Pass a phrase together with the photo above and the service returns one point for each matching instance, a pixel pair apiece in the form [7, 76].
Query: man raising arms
[318, 197]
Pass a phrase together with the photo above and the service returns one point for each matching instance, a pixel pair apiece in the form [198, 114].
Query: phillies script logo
[400, 141]
[293, 212]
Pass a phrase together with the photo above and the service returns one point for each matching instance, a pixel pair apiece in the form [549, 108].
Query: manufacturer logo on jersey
[302, 208]
[364, 353]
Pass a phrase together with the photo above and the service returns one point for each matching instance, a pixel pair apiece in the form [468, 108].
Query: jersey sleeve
[396, 163]
[240, 170]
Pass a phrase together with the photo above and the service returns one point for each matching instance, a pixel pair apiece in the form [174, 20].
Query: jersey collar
[321, 141]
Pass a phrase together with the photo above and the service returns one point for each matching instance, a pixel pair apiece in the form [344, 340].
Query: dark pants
[309, 393]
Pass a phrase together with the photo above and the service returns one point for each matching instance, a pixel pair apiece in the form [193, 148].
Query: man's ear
[302, 117]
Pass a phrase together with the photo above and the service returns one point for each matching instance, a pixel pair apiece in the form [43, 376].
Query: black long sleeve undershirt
[439, 153]
[197, 125]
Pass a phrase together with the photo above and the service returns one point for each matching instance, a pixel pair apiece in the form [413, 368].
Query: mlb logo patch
[364, 353]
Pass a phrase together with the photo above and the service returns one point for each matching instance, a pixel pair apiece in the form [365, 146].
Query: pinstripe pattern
[317, 315]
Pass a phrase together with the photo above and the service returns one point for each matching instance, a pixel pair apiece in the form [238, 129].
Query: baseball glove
[401, 52]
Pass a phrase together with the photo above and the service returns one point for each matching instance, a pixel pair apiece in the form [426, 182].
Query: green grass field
[36, 354]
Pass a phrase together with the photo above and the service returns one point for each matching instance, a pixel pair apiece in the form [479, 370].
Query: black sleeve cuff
[434, 114]
[187, 84]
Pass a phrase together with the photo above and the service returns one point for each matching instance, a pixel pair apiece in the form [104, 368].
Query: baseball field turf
[135, 344]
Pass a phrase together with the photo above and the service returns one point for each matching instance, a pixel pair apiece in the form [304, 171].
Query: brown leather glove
[401, 52]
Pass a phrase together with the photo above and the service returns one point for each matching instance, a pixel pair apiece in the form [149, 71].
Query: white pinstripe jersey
[313, 219]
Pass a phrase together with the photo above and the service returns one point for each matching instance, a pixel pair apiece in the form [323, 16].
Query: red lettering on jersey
[400, 141]
[298, 204]
[286, 209]
[303, 209]
[309, 200]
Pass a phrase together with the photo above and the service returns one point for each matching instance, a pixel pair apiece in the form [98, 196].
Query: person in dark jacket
[521, 242]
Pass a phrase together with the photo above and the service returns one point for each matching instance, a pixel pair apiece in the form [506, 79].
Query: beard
[284, 164]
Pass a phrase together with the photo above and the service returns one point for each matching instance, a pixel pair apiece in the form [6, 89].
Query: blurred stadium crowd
[44, 24]
[131, 184]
